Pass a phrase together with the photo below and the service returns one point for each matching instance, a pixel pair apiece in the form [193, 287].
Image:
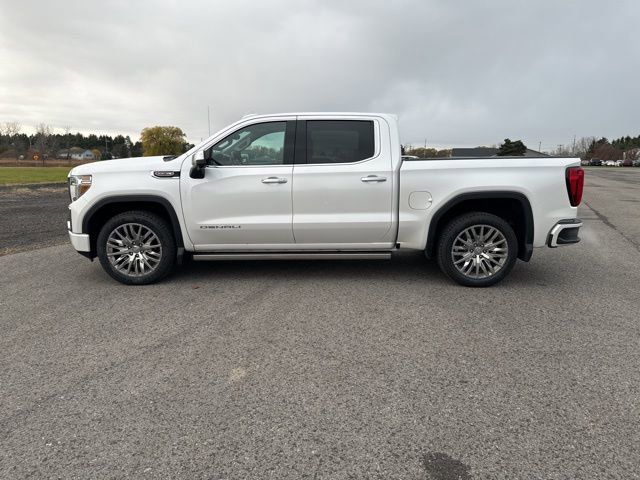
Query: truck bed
[426, 185]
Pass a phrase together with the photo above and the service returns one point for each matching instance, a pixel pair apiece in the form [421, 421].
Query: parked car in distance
[320, 186]
[585, 163]
[594, 162]
[636, 163]
[610, 163]
[627, 163]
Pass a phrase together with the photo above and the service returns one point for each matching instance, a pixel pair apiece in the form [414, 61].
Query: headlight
[78, 184]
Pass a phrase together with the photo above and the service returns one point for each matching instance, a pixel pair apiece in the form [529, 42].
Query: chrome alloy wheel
[134, 249]
[479, 251]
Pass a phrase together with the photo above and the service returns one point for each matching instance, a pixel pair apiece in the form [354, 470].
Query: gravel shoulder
[32, 216]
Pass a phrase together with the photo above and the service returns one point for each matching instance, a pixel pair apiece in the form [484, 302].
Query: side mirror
[198, 163]
[198, 159]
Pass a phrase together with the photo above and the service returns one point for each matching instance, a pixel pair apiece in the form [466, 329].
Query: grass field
[22, 175]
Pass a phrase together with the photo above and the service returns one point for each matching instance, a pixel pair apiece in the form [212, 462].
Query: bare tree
[562, 151]
[574, 148]
[67, 131]
[11, 129]
[607, 151]
[632, 154]
[582, 146]
[43, 129]
[43, 136]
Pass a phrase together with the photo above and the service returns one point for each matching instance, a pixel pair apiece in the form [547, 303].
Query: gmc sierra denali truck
[320, 186]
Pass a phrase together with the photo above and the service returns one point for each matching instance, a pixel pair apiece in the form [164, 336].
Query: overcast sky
[458, 73]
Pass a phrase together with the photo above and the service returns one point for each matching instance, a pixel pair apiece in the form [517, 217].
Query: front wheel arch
[105, 209]
[141, 233]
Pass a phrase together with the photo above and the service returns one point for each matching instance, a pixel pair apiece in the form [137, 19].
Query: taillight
[575, 184]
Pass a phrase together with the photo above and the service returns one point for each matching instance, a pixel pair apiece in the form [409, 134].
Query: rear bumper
[565, 232]
[80, 241]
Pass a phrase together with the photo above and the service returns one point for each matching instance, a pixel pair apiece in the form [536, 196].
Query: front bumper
[565, 232]
[80, 241]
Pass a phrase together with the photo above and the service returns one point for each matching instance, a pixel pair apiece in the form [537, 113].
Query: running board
[294, 256]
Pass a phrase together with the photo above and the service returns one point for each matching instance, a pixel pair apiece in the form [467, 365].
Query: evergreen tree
[509, 148]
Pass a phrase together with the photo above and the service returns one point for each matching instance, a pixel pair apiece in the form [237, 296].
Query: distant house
[481, 152]
[76, 153]
[63, 154]
[86, 155]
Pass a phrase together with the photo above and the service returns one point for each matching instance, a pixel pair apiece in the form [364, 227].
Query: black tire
[447, 258]
[153, 223]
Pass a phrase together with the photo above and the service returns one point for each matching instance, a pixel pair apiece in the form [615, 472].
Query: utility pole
[209, 120]
[539, 146]
[573, 151]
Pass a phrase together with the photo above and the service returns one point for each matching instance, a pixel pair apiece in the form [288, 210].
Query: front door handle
[274, 180]
[373, 178]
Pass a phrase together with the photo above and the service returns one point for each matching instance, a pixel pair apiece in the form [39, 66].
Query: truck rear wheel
[477, 249]
[136, 248]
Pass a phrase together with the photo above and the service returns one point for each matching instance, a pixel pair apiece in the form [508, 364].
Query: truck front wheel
[136, 248]
[477, 249]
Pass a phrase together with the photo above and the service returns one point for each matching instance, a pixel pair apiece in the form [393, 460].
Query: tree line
[168, 140]
[601, 148]
[585, 148]
[507, 148]
[14, 143]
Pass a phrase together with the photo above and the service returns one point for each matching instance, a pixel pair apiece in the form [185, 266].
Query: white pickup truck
[320, 186]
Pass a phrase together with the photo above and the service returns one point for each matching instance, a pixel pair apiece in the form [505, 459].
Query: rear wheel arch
[477, 249]
[514, 207]
[107, 208]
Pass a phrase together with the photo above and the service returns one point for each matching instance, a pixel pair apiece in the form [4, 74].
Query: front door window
[258, 144]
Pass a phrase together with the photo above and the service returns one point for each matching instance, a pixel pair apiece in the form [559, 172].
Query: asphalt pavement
[330, 370]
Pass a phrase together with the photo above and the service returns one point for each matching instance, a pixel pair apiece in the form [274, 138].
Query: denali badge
[220, 226]
[166, 174]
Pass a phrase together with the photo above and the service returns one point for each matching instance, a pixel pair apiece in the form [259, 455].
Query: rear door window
[339, 141]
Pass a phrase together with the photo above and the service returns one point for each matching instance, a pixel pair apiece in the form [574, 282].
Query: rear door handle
[373, 178]
[274, 180]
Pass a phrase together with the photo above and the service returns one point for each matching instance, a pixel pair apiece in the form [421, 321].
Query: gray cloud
[456, 72]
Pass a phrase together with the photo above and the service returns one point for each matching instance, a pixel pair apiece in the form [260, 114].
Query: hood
[133, 164]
